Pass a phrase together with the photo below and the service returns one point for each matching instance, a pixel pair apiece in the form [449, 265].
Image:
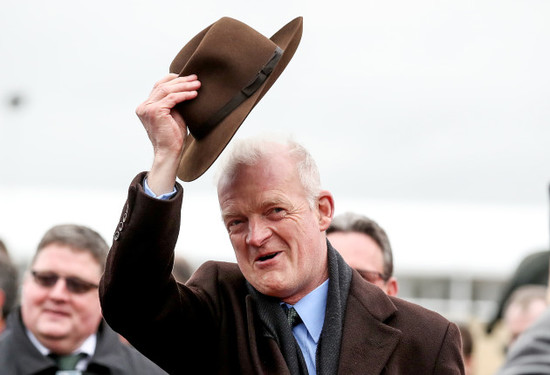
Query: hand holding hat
[236, 66]
[166, 128]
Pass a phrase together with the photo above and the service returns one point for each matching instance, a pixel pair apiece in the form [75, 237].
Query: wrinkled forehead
[258, 186]
[276, 167]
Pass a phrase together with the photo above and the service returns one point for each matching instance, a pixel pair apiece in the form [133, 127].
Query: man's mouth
[56, 313]
[268, 256]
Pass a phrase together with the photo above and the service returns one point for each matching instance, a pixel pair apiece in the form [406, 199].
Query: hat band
[201, 131]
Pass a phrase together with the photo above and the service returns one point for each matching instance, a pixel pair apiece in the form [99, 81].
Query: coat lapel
[265, 354]
[367, 342]
[253, 346]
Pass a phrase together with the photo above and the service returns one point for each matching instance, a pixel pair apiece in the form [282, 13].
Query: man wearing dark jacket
[232, 318]
[59, 324]
[290, 305]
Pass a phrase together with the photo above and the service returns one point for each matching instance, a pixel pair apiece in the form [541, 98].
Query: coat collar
[27, 358]
[368, 341]
[107, 354]
[263, 345]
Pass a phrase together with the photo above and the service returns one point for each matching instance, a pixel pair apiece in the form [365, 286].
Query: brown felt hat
[236, 66]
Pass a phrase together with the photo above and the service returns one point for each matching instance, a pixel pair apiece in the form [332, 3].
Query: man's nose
[258, 232]
[59, 290]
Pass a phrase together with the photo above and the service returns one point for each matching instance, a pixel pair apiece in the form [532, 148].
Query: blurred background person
[467, 348]
[494, 337]
[533, 269]
[8, 288]
[59, 325]
[529, 353]
[365, 246]
[522, 309]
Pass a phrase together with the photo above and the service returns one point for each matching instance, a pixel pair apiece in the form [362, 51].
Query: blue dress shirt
[311, 309]
[149, 192]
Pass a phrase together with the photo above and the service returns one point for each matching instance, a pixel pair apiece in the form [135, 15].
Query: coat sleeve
[449, 360]
[139, 297]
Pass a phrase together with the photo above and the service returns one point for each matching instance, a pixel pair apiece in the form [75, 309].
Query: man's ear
[392, 287]
[325, 204]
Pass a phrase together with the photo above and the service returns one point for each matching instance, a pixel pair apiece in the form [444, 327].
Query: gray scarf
[328, 349]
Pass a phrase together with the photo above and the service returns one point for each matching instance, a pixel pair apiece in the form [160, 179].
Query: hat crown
[226, 56]
[236, 66]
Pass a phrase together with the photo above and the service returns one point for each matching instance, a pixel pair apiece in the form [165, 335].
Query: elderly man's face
[59, 318]
[278, 238]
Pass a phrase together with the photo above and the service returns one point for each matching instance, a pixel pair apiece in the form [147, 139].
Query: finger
[163, 106]
[173, 78]
[171, 100]
[180, 84]
[190, 77]
[163, 80]
[167, 78]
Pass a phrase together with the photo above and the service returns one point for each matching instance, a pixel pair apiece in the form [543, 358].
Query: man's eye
[277, 212]
[233, 223]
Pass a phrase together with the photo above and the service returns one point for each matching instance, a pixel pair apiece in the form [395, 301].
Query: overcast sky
[419, 113]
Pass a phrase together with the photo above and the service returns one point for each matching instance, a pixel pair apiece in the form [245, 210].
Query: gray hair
[9, 283]
[352, 222]
[248, 152]
[77, 237]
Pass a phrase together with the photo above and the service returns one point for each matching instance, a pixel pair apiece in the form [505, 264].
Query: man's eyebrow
[228, 212]
[227, 217]
[275, 202]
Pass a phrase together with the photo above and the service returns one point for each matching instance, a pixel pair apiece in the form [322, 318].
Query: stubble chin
[282, 289]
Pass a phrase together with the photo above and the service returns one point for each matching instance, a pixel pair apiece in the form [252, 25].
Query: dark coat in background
[18, 355]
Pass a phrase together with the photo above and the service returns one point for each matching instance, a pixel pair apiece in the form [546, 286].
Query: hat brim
[200, 154]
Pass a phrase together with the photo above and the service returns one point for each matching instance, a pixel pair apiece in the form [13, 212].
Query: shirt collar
[311, 309]
[87, 347]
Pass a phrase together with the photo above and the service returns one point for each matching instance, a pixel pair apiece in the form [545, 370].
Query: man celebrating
[290, 305]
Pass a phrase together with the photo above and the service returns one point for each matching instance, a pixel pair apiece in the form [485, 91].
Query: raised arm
[166, 128]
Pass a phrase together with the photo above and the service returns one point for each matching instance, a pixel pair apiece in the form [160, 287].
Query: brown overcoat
[209, 326]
